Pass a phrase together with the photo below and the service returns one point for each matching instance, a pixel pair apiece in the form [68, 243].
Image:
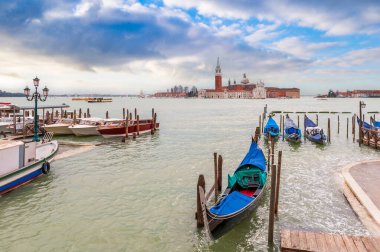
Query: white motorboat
[22, 162]
[87, 127]
[4, 126]
[61, 127]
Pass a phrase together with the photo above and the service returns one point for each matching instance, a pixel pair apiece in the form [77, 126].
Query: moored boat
[93, 100]
[271, 129]
[313, 132]
[60, 127]
[87, 127]
[22, 162]
[242, 195]
[118, 129]
[292, 132]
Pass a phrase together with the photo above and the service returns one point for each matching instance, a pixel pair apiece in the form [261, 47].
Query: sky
[122, 47]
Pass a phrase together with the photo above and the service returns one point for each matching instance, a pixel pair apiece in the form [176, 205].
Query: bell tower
[218, 77]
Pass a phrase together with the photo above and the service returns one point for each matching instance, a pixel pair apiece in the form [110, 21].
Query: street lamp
[361, 106]
[36, 96]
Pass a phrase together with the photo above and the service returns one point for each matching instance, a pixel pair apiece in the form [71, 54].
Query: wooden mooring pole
[317, 119]
[107, 114]
[260, 122]
[199, 215]
[126, 126]
[271, 205]
[80, 113]
[138, 125]
[298, 120]
[328, 130]
[135, 113]
[123, 113]
[216, 176]
[272, 151]
[220, 173]
[278, 182]
[338, 124]
[347, 127]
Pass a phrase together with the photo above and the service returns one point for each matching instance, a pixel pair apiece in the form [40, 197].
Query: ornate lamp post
[36, 96]
[361, 106]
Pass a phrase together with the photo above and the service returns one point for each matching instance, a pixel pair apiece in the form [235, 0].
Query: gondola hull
[293, 138]
[319, 140]
[220, 226]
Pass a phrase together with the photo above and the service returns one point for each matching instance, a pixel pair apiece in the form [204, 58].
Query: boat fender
[45, 167]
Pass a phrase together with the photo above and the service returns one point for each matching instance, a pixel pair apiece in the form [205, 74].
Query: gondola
[271, 129]
[292, 132]
[242, 195]
[313, 132]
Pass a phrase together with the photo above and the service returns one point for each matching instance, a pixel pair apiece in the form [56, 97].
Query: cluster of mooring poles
[136, 119]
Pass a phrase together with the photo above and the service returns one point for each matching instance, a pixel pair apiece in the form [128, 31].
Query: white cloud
[301, 49]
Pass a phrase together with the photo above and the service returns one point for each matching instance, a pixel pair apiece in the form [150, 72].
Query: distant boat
[93, 100]
[241, 197]
[271, 128]
[22, 162]
[292, 132]
[313, 132]
[81, 99]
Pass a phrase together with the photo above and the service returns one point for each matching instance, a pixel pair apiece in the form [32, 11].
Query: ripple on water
[140, 195]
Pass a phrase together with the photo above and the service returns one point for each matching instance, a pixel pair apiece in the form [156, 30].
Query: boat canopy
[291, 127]
[309, 123]
[271, 127]
[232, 203]
[255, 157]
[365, 125]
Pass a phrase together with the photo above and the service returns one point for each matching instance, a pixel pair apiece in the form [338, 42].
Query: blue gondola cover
[309, 123]
[376, 124]
[233, 202]
[254, 157]
[271, 127]
[291, 127]
[365, 125]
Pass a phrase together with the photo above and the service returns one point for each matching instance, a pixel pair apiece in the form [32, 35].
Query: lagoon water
[141, 195]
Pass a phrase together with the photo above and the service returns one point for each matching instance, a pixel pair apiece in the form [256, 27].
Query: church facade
[244, 90]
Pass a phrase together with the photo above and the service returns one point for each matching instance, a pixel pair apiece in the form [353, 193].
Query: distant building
[245, 89]
[169, 95]
[358, 93]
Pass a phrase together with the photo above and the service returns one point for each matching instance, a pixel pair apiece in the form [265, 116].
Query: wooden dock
[295, 240]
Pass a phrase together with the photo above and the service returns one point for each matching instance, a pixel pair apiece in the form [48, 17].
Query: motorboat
[118, 129]
[87, 127]
[60, 127]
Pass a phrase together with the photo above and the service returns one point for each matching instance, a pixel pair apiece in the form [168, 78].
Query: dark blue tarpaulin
[376, 124]
[271, 127]
[291, 127]
[309, 123]
[365, 125]
[231, 203]
[254, 157]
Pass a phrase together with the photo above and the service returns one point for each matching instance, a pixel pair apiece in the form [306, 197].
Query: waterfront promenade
[362, 178]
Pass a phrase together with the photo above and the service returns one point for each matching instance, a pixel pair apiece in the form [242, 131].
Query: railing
[47, 137]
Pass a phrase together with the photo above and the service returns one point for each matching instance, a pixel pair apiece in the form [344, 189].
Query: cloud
[295, 46]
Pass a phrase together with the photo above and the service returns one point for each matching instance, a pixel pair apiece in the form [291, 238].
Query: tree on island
[331, 94]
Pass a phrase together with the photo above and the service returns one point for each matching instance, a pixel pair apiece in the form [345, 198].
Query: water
[141, 195]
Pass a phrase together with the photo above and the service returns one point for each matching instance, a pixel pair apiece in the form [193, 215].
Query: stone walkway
[363, 179]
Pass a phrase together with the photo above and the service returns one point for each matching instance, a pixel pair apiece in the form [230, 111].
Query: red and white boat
[118, 129]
